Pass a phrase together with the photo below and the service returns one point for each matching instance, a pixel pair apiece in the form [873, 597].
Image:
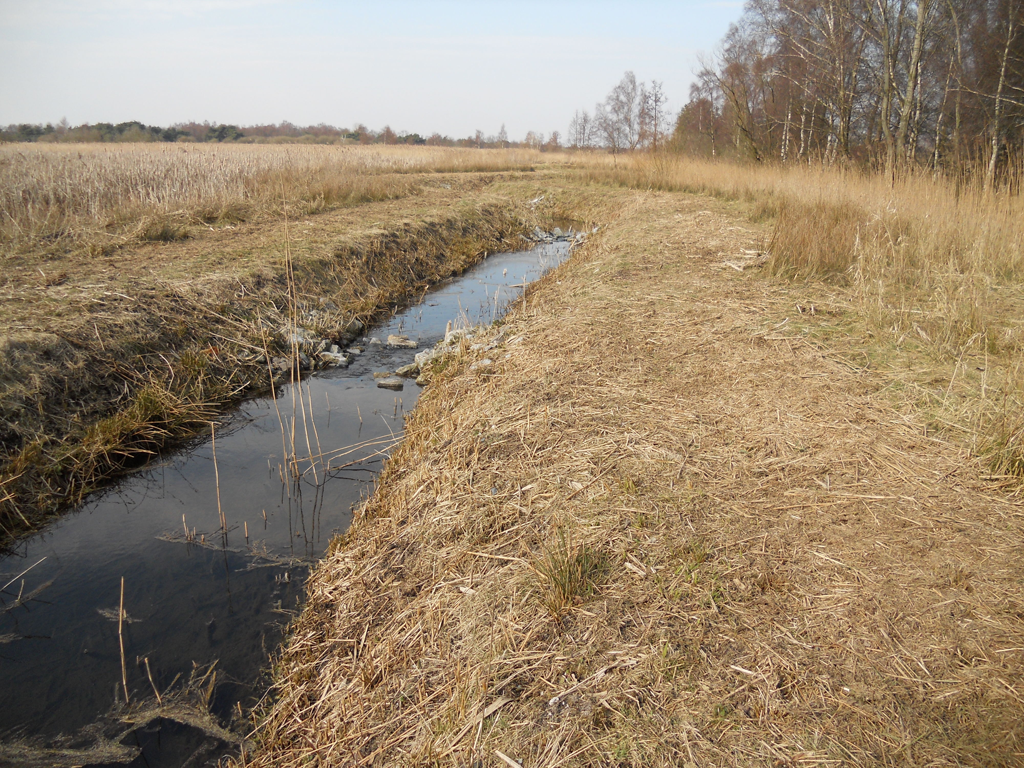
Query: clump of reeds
[569, 573]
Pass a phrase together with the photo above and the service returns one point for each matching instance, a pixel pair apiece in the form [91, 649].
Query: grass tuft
[569, 573]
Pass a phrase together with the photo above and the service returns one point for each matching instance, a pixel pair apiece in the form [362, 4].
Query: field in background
[103, 196]
[932, 268]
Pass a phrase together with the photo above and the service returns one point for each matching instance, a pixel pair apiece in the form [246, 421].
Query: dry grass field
[104, 196]
[933, 268]
[743, 486]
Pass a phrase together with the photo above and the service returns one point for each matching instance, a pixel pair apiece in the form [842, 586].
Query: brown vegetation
[934, 270]
[103, 197]
[676, 526]
[743, 487]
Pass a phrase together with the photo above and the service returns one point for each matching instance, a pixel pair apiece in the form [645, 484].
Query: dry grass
[796, 572]
[106, 196]
[935, 267]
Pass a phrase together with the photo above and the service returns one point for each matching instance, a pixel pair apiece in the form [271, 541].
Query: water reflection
[193, 593]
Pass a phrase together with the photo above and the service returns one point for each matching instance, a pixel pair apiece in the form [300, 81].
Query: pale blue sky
[451, 66]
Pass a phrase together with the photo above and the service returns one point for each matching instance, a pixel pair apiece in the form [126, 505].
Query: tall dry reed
[105, 195]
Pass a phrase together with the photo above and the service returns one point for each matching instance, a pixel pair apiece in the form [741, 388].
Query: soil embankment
[666, 526]
[106, 357]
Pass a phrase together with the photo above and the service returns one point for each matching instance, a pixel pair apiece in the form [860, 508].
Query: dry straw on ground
[934, 267]
[672, 527]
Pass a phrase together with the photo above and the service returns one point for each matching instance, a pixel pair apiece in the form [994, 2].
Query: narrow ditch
[203, 611]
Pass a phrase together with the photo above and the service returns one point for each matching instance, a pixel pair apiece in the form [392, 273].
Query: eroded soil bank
[672, 526]
[105, 358]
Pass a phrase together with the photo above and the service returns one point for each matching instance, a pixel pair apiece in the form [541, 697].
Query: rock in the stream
[403, 342]
[424, 357]
[407, 371]
[334, 358]
[392, 382]
[300, 338]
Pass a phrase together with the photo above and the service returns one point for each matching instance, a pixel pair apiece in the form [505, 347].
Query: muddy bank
[112, 373]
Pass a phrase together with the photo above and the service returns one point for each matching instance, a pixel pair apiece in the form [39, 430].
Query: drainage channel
[203, 611]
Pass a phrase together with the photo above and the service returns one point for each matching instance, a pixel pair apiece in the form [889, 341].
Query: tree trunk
[990, 176]
[913, 77]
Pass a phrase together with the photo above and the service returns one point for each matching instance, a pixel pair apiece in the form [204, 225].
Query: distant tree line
[130, 131]
[886, 82]
[284, 132]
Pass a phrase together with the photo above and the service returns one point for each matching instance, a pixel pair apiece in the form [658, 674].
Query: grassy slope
[674, 526]
[105, 358]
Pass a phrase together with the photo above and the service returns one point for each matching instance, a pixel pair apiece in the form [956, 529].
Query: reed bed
[934, 266]
[105, 196]
[665, 528]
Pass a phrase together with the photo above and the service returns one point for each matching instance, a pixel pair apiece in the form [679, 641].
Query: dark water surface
[192, 602]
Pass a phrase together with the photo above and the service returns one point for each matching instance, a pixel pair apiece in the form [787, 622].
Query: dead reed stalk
[120, 642]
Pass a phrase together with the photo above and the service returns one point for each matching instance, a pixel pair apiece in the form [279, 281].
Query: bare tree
[621, 113]
[581, 130]
[892, 80]
[652, 113]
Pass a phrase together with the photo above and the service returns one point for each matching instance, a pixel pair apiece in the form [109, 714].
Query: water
[191, 602]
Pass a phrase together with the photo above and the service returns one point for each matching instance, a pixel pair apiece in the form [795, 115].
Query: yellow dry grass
[670, 527]
[106, 196]
[934, 268]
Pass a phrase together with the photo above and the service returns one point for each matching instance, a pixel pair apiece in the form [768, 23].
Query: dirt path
[665, 527]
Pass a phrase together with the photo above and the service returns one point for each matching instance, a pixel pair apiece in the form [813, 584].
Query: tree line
[284, 132]
[887, 82]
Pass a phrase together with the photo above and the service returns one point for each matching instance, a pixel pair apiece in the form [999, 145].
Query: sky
[446, 66]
